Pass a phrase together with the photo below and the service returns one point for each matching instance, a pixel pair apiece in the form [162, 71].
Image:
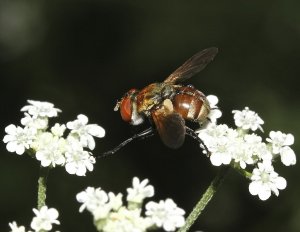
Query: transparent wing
[192, 66]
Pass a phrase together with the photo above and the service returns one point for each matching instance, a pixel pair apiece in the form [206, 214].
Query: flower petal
[288, 156]
[95, 130]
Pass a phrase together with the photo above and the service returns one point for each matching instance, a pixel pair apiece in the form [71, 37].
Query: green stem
[243, 172]
[42, 187]
[205, 199]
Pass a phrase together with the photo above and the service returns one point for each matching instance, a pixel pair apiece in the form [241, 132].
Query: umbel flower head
[48, 144]
[265, 180]
[110, 214]
[42, 221]
[139, 191]
[44, 218]
[248, 153]
[15, 228]
[40, 109]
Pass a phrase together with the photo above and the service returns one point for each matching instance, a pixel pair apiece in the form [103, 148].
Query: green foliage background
[83, 55]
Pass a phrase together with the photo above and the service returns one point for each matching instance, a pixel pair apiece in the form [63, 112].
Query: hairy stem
[205, 199]
[42, 187]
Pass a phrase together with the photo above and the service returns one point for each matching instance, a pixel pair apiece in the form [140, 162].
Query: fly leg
[142, 135]
[190, 132]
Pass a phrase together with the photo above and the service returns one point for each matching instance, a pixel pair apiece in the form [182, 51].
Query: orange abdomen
[191, 104]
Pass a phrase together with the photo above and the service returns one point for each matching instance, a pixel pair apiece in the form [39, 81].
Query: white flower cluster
[48, 144]
[247, 151]
[215, 112]
[111, 215]
[43, 220]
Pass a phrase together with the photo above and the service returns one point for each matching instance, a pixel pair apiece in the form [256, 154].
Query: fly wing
[170, 127]
[192, 66]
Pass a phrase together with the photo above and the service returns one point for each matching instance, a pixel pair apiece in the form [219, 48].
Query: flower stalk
[42, 187]
[241, 171]
[205, 199]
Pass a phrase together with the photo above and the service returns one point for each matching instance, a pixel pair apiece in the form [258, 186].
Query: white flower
[288, 156]
[215, 112]
[78, 161]
[279, 140]
[58, 130]
[139, 191]
[15, 228]
[249, 149]
[18, 139]
[98, 202]
[41, 109]
[115, 201]
[221, 155]
[242, 152]
[92, 199]
[261, 152]
[226, 144]
[110, 215]
[247, 119]
[50, 149]
[44, 218]
[211, 134]
[265, 180]
[85, 132]
[125, 220]
[165, 214]
[218, 140]
[38, 123]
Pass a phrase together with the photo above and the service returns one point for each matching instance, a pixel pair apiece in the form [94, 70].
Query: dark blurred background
[83, 55]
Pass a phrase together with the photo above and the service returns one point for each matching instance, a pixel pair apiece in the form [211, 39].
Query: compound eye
[126, 109]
